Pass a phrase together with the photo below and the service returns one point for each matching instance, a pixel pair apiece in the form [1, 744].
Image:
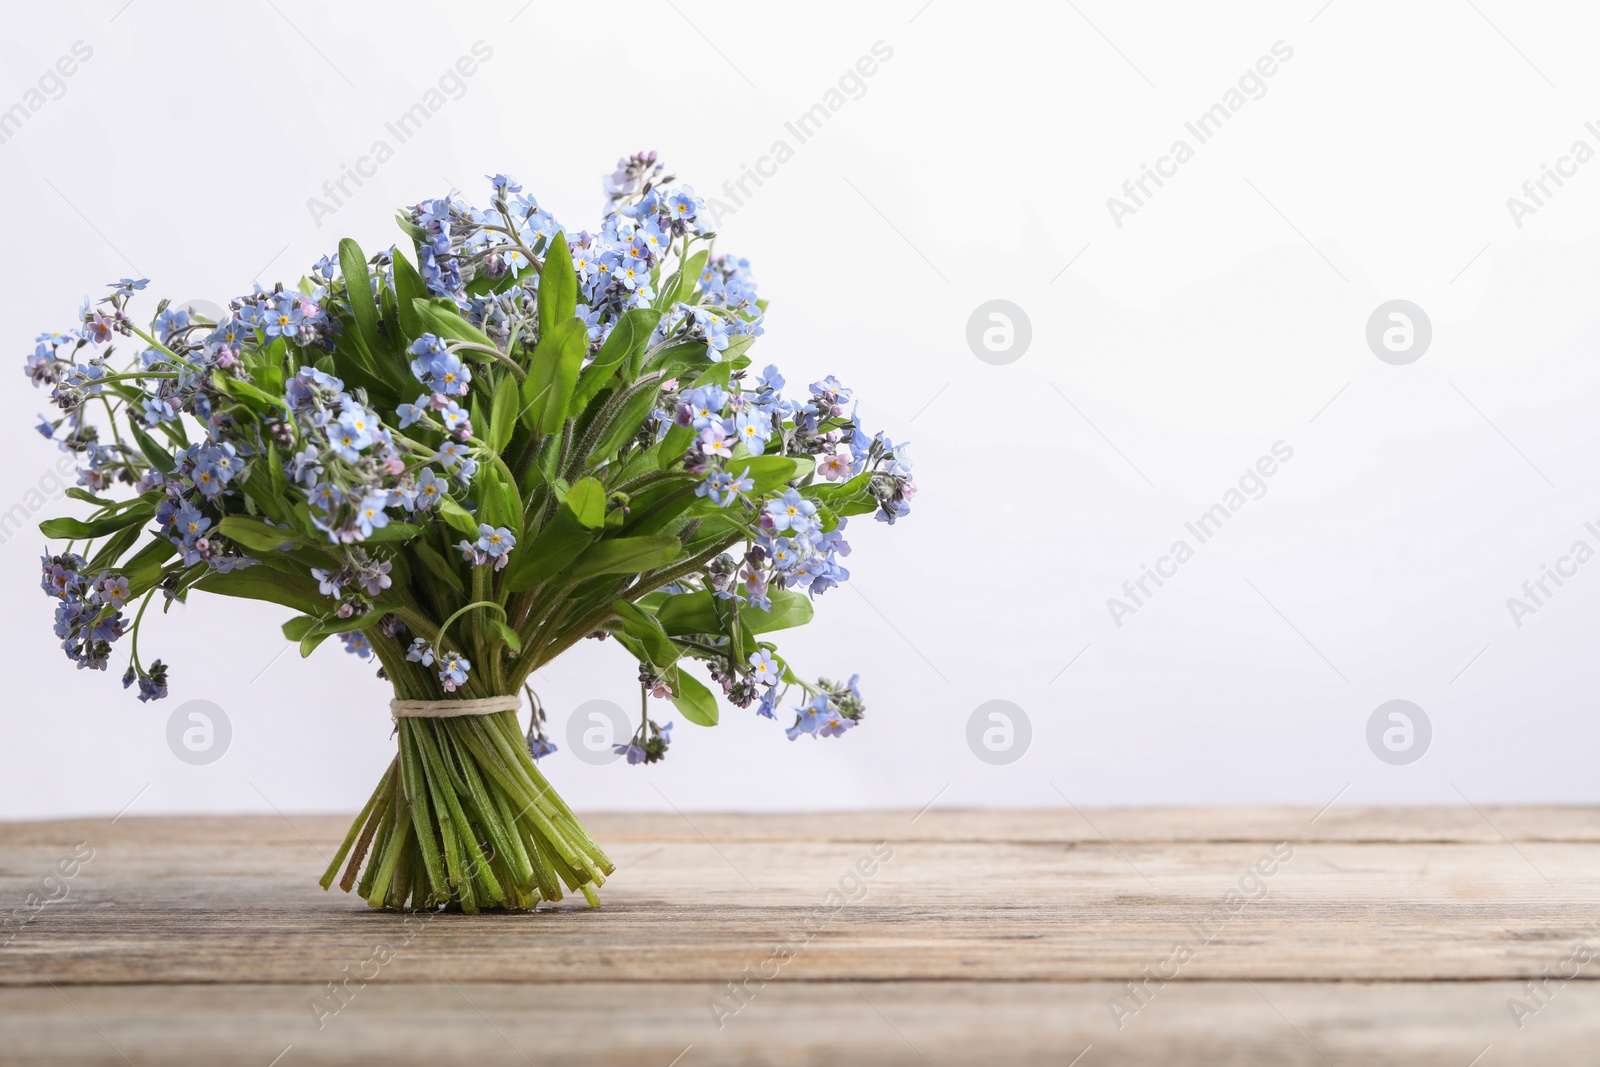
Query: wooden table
[1249, 936]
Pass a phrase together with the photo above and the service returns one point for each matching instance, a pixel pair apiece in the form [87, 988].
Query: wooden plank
[1379, 936]
[1339, 822]
[159, 903]
[897, 1024]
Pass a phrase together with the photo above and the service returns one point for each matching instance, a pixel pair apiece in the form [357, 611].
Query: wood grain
[1377, 935]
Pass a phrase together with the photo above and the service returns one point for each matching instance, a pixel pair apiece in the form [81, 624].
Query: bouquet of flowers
[462, 456]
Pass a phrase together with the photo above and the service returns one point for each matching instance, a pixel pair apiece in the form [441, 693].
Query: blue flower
[833, 724]
[427, 346]
[705, 404]
[791, 511]
[420, 652]
[515, 260]
[304, 466]
[284, 320]
[191, 524]
[425, 494]
[328, 581]
[170, 322]
[410, 413]
[723, 488]
[764, 669]
[455, 418]
[370, 515]
[767, 709]
[453, 668]
[495, 542]
[683, 206]
[356, 642]
[114, 590]
[326, 496]
[439, 370]
[752, 429]
[354, 433]
[714, 441]
[811, 716]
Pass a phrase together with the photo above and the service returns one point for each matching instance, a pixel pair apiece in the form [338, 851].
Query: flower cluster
[832, 710]
[648, 744]
[467, 451]
[89, 615]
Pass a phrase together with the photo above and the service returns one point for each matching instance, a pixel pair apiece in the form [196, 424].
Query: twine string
[449, 709]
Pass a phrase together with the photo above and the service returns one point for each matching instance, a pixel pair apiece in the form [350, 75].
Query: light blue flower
[764, 668]
[370, 513]
[495, 542]
[791, 511]
[453, 668]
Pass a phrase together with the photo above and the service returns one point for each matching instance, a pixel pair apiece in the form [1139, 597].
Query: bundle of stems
[463, 817]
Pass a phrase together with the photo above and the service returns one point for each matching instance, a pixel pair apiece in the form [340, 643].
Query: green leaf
[587, 502]
[693, 699]
[240, 389]
[556, 546]
[322, 629]
[499, 503]
[299, 626]
[276, 480]
[643, 627]
[673, 359]
[716, 374]
[83, 494]
[861, 506]
[503, 414]
[411, 229]
[253, 534]
[789, 609]
[582, 511]
[358, 286]
[395, 531]
[113, 547]
[625, 343]
[508, 635]
[653, 517]
[553, 375]
[438, 566]
[457, 516]
[682, 614]
[691, 274]
[835, 495]
[623, 555]
[408, 288]
[626, 422]
[78, 530]
[147, 565]
[438, 317]
[159, 457]
[768, 472]
[264, 583]
[558, 286]
[675, 444]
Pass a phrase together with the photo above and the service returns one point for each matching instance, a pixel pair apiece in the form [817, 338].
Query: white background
[1227, 314]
